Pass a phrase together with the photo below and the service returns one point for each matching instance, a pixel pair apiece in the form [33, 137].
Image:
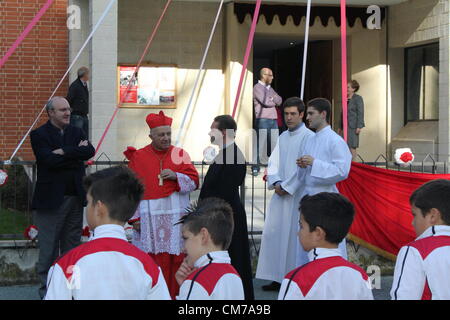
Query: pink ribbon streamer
[247, 54]
[25, 32]
[150, 40]
[344, 66]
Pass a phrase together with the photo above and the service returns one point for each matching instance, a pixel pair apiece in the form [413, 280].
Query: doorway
[284, 55]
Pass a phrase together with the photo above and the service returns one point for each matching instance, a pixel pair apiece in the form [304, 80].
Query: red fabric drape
[383, 213]
[169, 264]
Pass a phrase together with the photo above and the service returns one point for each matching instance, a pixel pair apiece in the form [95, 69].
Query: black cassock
[224, 176]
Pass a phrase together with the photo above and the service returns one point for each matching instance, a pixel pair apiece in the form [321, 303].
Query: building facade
[402, 67]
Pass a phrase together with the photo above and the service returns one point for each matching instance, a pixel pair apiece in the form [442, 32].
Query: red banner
[383, 213]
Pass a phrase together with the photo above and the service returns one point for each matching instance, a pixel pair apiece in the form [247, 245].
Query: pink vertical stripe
[344, 66]
[25, 32]
[247, 54]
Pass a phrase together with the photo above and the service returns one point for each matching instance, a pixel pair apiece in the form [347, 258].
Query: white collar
[324, 129]
[109, 231]
[297, 129]
[320, 253]
[213, 257]
[267, 86]
[227, 145]
[438, 230]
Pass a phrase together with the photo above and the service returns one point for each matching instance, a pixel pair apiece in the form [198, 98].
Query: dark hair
[433, 194]
[215, 215]
[118, 188]
[294, 102]
[355, 85]
[321, 104]
[331, 211]
[226, 122]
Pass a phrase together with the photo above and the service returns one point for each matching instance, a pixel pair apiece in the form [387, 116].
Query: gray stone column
[78, 36]
[103, 65]
[444, 84]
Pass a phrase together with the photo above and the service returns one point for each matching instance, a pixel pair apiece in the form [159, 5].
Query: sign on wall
[154, 86]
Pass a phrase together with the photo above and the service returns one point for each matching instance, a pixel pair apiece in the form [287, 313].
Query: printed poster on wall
[153, 87]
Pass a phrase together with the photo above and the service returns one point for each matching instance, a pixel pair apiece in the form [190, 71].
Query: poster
[153, 86]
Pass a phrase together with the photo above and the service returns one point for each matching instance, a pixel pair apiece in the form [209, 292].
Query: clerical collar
[227, 145]
[324, 129]
[301, 124]
[321, 253]
[109, 231]
[265, 85]
[159, 151]
[438, 230]
[213, 257]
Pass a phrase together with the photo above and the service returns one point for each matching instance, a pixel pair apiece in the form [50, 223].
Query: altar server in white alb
[207, 273]
[108, 267]
[325, 160]
[279, 239]
[325, 220]
[422, 268]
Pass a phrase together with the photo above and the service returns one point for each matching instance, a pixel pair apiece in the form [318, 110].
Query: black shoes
[274, 286]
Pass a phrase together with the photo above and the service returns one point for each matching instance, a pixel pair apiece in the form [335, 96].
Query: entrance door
[287, 68]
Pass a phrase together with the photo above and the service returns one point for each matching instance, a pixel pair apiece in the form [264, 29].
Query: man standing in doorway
[78, 97]
[265, 101]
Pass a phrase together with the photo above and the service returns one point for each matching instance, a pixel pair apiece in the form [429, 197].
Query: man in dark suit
[78, 98]
[59, 197]
[224, 176]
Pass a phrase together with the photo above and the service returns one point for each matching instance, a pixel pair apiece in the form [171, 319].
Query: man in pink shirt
[265, 101]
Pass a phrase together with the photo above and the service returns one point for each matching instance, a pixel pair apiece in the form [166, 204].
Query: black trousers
[239, 251]
[58, 232]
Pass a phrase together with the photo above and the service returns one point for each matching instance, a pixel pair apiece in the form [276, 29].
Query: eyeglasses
[64, 110]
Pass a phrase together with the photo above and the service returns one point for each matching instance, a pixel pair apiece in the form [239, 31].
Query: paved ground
[30, 292]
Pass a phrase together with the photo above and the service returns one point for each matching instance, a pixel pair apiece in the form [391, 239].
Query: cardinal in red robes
[168, 176]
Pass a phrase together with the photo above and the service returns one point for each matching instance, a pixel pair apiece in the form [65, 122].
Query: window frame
[405, 117]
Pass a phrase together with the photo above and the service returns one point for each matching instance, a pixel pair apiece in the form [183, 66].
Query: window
[422, 83]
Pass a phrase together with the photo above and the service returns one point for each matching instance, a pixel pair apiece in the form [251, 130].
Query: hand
[305, 161]
[168, 174]
[83, 143]
[279, 191]
[358, 130]
[183, 272]
[137, 226]
[59, 151]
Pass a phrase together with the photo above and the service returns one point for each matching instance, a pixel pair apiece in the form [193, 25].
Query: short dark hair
[215, 215]
[331, 211]
[294, 102]
[226, 122]
[321, 104]
[354, 84]
[433, 194]
[118, 188]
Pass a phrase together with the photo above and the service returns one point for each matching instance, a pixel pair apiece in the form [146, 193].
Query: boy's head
[113, 196]
[207, 227]
[430, 205]
[324, 220]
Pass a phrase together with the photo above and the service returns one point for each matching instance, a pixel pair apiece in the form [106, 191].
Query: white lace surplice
[158, 233]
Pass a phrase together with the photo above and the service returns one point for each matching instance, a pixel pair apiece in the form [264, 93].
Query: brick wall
[30, 75]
